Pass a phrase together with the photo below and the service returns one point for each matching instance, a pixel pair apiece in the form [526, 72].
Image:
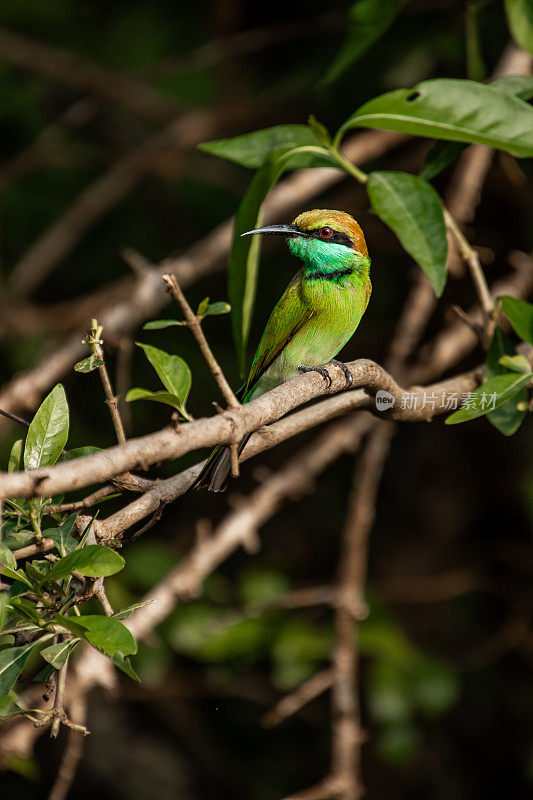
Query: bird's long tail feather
[216, 471]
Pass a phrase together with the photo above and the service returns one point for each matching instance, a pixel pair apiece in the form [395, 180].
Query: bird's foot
[325, 374]
[321, 371]
[347, 374]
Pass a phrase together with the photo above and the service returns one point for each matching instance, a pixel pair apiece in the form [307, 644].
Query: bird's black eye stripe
[336, 237]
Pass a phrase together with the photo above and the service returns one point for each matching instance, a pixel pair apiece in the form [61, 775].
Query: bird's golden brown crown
[336, 220]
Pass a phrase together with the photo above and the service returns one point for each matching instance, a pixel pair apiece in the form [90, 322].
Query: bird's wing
[286, 319]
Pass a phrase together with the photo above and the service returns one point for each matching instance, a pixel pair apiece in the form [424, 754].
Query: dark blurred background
[447, 649]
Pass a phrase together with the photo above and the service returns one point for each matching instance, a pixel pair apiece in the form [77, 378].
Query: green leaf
[15, 456]
[202, 307]
[449, 108]
[368, 20]
[245, 251]
[507, 418]
[159, 324]
[26, 608]
[94, 561]
[519, 85]
[173, 371]
[442, 154]
[520, 315]
[12, 663]
[78, 452]
[412, 209]
[215, 309]
[159, 397]
[520, 21]
[48, 432]
[516, 364]
[251, 149]
[503, 386]
[9, 706]
[6, 557]
[61, 535]
[320, 130]
[4, 606]
[57, 654]
[124, 664]
[124, 613]
[88, 364]
[108, 635]
[16, 575]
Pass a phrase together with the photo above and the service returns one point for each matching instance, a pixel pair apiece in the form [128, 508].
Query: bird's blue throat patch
[327, 260]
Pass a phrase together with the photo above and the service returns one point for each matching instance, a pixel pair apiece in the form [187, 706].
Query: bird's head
[325, 240]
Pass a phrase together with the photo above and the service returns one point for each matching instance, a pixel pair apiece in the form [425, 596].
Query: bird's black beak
[280, 230]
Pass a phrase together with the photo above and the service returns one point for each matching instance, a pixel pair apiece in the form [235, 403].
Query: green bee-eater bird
[317, 314]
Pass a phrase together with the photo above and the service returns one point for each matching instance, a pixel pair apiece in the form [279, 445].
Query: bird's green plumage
[317, 314]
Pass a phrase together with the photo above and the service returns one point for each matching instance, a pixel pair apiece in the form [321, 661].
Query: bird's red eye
[326, 233]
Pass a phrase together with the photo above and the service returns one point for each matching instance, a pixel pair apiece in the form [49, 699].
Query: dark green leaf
[61, 535]
[26, 608]
[412, 209]
[57, 654]
[88, 364]
[520, 21]
[94, 561]
[251, 149]
[12, 663]
[173, 371]
[16, 575]
[48, 432]
[15, 456]
[449, 108]
[368, 20]
[520, 315]
[507, 418]
[6, 557]
[4, 602]
[105, 633]
[245, 251]
[124, 664]
[503, 386]
[442, 154]
[320, 130]
[9, 706]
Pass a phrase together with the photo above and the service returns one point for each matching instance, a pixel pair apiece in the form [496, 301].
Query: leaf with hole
[454, 109]
[411, 207]
[48, 431]
[88, 364]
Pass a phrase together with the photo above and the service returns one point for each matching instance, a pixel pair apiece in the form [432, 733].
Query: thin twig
[14, 418]
[86, 502]
[195, 325]
[471, 257]
[73, 750]
[347, 733]
[59, 711]
[300, 697]
[99, 593]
